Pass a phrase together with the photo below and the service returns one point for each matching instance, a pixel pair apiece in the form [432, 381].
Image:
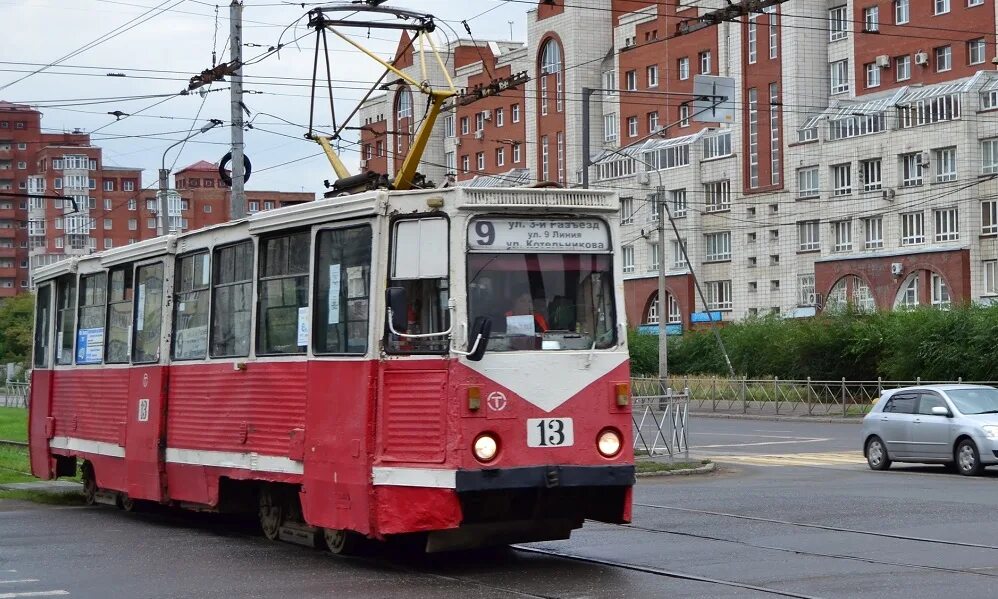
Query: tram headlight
[608, 442]
[485, 448]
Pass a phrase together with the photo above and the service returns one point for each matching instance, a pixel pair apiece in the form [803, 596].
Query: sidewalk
[48, 486]
[771, 410]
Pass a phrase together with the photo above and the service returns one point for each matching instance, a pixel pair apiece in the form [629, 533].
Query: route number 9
[486, 232]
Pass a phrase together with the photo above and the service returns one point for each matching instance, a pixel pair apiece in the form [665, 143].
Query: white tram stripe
[88, 446]
[59, 592]
[233, 459]
[437, 478]
[23, 580]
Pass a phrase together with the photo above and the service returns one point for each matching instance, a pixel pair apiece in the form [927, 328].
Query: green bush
[926, 343]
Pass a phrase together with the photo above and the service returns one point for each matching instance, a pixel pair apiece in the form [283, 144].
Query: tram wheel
[271, 513]
[341, 542]
[89, 483]
[126, 503]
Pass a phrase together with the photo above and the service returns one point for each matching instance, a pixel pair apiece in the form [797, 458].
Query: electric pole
[663, 304]
[237, 197]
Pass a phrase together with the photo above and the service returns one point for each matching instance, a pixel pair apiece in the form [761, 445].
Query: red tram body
[254, 365]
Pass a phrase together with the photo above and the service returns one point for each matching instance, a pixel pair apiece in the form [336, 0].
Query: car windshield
[543, 301]
[982, 400]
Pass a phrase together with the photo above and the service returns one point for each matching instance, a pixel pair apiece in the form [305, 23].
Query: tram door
[146, 430]
[40, 405]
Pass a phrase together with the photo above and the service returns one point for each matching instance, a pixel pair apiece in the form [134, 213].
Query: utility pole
[237, 197]
[663, 305]
[164, 194]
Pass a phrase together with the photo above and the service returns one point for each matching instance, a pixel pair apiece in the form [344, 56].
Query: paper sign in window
[334, 294]
[520, 325]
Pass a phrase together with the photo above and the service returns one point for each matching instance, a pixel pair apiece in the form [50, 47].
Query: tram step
[106, 497]
[299, 534]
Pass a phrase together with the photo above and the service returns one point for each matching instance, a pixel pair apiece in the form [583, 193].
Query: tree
[16, 320]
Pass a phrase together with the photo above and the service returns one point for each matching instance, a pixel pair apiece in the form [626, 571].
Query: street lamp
[164, 178]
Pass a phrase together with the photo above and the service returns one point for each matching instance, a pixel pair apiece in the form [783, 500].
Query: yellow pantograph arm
[403, 179]
[338, 167]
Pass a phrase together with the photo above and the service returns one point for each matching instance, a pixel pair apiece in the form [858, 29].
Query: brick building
[860, 169]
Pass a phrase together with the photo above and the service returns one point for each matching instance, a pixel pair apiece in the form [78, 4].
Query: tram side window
[231, 317]
[148, 313]
[65, 317]
[342, 291]
[43, 310]
[119, 314]
[282, 316]
[190, 307]
[90, 333]
[420, 266]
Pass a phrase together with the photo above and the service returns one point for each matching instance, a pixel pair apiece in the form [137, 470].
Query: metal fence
[15, 395]
[660, 422]
[842, 398]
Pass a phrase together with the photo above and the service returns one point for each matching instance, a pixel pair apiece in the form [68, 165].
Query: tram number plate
[549, 432]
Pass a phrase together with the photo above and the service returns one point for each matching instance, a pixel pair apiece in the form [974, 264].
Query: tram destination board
[582, 235]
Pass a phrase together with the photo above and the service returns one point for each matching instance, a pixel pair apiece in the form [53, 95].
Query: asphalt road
[774, 517]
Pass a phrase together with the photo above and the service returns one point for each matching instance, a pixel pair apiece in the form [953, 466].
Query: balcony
[8, 233]
[8, 252]
[8, 273]
[7, 214]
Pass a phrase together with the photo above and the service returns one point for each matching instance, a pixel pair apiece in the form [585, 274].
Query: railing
[775, 396]
[15, 395]
[660, 422]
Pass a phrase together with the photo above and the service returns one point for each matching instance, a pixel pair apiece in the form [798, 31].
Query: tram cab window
[282, 317]
[90, 332]
[65, 319]
[232, 289]
[119, 314]
[190, 307]
[420, 265]
[148, 313]
[43, 309]
[342, 291]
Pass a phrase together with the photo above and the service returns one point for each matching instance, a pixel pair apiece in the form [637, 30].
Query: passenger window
[420, 266]
[342, 291]
[43, 309]
[190, 307]
[65, 325]
[148, 314]
[90, 334]
[232, 296]
[119, 314]
[929, 401]
[904, 404]
[283, 319]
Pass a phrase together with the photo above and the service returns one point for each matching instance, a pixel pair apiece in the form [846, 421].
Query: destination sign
[538, 235]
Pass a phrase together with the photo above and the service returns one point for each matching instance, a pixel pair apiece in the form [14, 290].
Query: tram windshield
[543, 301]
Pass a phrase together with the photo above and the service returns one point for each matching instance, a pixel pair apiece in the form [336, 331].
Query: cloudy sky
[158, 55]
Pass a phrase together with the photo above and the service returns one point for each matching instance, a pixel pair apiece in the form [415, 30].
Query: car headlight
[608, 442]
[990, 431]
[485, 448]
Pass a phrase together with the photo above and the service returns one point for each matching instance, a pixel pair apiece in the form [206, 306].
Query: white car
[955, 425]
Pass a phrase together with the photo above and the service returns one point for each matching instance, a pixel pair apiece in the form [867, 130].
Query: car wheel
[876, 454]
[968, 460]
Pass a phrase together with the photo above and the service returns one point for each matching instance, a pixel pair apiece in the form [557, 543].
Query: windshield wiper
[986, 412]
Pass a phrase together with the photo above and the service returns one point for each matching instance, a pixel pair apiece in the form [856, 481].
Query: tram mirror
[398, 304]
[481, 327]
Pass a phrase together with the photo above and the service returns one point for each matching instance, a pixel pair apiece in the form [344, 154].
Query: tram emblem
[496, 401]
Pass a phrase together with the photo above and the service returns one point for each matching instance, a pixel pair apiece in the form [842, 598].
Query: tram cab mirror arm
[398, 306]
[480, 332]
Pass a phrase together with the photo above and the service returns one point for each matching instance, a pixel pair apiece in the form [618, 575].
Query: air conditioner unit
[897, 268]
[480, 134]
[922, 58]
[363, 163]
[643, 178]
[487, 115]
[889, 194]
[923, 159]
[457, 141]
[883, 61]
[813, 299]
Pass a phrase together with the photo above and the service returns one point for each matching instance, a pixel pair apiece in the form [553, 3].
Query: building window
[108, 243]
[717, 195]
[871, 171]
[151, 223]
[22, 165]
[704, 62]
[267, 205]
[133, 204]
[465, 164]
[753, 137]
[632, 126]
[718, 246]
[500, 117]
[873, 228]
[872, 75]
[610, 127]
[652, 74]
[991, 277]
[808, 236]
[653, 263]
[941, 6]
[545, 161]
[807, 182]
[479, 121]
[911, 169]
[975, 51]
[773, 32]
[944, 59]
[678, 199]
[450, 162]
[947, 224]
[516, 113]
[940, 293]
[626, 211]
[684, 68]
[107, 224]
[945, 161]
[108, 184]
[838, 24]
[775, 144]
[133, 224]
[560, 148]
[480, 161]
[130, 185]
[516, 153]
[500, 156]
[631, 80]
[902, 66]
[254, 207]
[912, 228]
[753, 33]
[628, 258]
[989, 156]
[717, 145]
[843, 236]
[652, 122]
[465, 127]
[678, 261]
[449, 126]
[684, 115]
[842, 179]
[871, 18]
[989, 217]
[902, 12]
[719, 295]
[839, 76]
[609, 83]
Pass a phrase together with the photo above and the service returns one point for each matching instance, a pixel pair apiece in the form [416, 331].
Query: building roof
[122, 168]
[516, 177]
[200, 166]
[8, 106]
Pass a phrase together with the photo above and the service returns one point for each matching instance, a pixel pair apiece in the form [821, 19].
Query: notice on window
[90, 346]
[303, 326]
[531, 235]
[140, 309]
[520, 325]
[334, 294]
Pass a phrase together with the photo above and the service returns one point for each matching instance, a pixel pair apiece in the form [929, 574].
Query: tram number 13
[549, 432]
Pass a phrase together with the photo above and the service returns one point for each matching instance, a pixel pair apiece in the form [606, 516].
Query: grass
[45, 497]
[645, 466]
[14, 465]
[14, 424]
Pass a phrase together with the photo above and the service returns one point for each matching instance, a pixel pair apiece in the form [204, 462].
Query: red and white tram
[450, 362]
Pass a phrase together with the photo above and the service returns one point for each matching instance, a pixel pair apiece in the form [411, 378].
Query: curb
[779, 418]
[705, 469]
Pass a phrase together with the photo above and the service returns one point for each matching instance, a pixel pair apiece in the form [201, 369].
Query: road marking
[34, 594]
[801, 440]
[796, 459]
[18, 581]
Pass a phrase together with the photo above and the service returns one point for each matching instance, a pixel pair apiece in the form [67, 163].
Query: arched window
[550, 58]
[550, 70]
[403, 111]
[850, 292]
[907, 297]
[675, 315]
